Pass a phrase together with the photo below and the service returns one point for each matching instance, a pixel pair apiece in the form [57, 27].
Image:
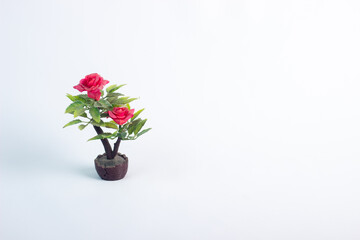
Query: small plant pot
[111, 169]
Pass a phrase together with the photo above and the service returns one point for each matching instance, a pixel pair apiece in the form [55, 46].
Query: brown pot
[111, 169]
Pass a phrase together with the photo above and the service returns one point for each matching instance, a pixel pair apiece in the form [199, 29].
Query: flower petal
[111, 114]
[94, 94]
[79, 87]
[122, 121]
[118, 121]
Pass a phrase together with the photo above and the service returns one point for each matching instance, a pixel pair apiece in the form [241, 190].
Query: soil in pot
[111, 169]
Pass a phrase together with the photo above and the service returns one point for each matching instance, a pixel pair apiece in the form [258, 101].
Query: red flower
[121, 114]
[92, 83]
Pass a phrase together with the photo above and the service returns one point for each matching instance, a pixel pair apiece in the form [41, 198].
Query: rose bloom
[121, 114]
[92, 83]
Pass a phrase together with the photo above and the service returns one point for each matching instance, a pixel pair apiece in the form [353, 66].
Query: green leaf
[100, 124]
[111, 100]
[114, 87]
[72, 112]
[104, 103]
[129, 138]
[101, 136]
[76, 108]
[142, 132]
[95, 114]
[133, 125]
[123, 100]
[139, 126]
[102, 92]
[82, 126]
[79, 111]
[114, 134]
[105, 114]
[108, 89]
[84, 115]
[137, 114]
[71, 97]
[123, 135]
[84, 98]
[97, 104]
[114, 94]
[76, 121]
[75, 105]
[111, 125]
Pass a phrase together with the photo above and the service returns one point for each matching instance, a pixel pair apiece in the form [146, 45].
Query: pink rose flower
[121, 114]
[92, 83]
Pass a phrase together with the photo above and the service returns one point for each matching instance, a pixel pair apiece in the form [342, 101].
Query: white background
[254, 107]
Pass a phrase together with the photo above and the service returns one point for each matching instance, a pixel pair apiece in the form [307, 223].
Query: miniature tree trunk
[106, 144]
[116, 147]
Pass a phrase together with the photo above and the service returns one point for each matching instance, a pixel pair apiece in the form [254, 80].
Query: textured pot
[111, 169]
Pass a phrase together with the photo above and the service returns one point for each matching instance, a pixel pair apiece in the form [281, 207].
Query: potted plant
[108, 109]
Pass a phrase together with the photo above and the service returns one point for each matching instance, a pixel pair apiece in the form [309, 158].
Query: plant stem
[116, 147]
[105, 143]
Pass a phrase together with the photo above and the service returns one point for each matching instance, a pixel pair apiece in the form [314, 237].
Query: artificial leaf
[95, 114]
[105, 114]
[114, 87]
[72, 107]
[79, 111]
[137, 114]
[84, 115]
[101, 136]
[110, 87]
[129, 138]
[139, 126]
[97, 104]
[82, 126]
[71, 97]
[71, 112]
[111, 125]
[111, 100]
[99, 124]
[104, 103]
[142, 132]
[76, 121]
[123, 100]
[132, 125]
[123, 135]
[114, 94]
[84, 98]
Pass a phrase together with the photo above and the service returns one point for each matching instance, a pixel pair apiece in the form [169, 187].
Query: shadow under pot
[111, 169]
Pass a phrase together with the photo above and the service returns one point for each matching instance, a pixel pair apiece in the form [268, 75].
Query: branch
[116, 147]
[105, 143]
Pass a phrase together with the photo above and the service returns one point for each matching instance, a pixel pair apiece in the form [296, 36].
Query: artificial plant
[109, 109]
